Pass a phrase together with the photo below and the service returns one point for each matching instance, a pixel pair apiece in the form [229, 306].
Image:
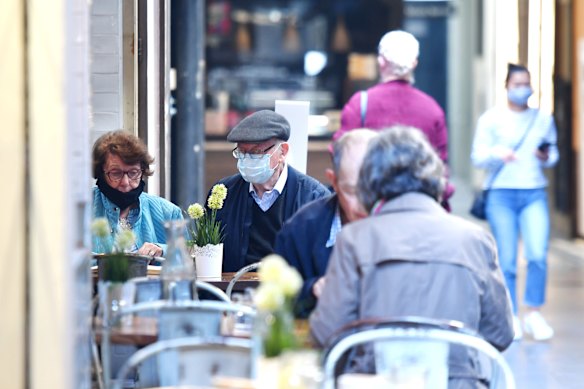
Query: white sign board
[296, 112]
[580, 187]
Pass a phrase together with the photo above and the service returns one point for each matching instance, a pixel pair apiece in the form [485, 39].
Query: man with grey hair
[411, 257]
[265, 192]
[306, 239]
[395, 101]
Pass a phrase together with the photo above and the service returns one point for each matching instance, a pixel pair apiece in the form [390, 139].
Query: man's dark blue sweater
[302, 242]
[236, 214]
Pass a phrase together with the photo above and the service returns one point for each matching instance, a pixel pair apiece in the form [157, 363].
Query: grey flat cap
[259, 127]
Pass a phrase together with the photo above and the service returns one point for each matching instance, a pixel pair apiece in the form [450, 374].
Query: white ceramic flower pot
[268, 374]
[208, 261]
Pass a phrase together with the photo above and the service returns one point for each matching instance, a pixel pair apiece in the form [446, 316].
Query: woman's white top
[501, 128]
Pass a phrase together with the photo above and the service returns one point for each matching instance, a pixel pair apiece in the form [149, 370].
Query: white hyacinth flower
[272, 268]
[125, 240]
[269, 297]
[100, 227]
[291, 281]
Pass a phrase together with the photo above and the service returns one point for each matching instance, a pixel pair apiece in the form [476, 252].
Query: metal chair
[96, 362]
[401, 339]
[150, 289]
[215, 291]
[178, 319]
[238, 275]
[198, 360]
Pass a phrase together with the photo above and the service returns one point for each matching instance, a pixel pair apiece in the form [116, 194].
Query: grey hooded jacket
[415, 259]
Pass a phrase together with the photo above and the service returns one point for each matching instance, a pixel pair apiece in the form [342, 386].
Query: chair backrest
[215, 291]
[175, 320]
[197, 362]
[186, 318]
[410, 345]
[147, 289]
[238, 275]
[150, 289]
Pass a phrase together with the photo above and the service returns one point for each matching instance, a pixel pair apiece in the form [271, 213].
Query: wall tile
[107, 24]
[105, 44]
[105, 102]
[104, 121]
[105, 63]
[105, 7]
[101, 83]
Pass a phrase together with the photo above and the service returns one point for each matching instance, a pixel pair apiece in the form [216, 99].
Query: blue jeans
[515, 212]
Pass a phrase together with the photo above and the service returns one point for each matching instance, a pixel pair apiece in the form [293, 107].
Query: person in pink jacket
[395, 101]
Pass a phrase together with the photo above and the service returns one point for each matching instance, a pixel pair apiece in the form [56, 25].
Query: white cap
[400, 48]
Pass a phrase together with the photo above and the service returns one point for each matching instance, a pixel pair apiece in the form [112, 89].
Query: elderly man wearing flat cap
[265, 192]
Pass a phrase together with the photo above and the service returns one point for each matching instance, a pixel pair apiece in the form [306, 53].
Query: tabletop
[248, 280]
[142, 331]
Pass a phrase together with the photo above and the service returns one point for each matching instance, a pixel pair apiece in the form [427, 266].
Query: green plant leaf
[116, 267]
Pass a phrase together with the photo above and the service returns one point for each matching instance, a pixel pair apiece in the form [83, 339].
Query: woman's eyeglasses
[117, 175]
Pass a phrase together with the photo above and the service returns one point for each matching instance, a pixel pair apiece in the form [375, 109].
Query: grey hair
[400, 50]
[352, 138]
[398, 161]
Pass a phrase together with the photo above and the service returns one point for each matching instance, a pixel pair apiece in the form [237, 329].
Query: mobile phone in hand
[544, 147]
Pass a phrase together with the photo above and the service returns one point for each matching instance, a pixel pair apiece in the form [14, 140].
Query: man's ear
[332, 177]
[285, 148]
[381, 62]
[415, 65]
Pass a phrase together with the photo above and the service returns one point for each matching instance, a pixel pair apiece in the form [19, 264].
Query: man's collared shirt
[270, 197]
[336, 226]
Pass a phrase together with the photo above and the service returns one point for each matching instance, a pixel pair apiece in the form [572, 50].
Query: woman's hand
[150, 249]
[542, 155]
[505, 154]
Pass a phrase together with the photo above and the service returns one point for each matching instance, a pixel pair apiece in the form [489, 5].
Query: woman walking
[514, 144]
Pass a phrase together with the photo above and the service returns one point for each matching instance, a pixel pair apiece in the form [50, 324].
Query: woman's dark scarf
[121, 199]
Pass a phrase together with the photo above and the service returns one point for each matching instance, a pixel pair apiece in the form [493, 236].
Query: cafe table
[220, 383]
[247, 280]
[142, 331]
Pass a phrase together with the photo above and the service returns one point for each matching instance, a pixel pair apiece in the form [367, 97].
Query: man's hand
[318, 287]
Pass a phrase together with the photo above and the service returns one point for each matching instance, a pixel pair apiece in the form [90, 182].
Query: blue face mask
[519, 95]
[256, 170]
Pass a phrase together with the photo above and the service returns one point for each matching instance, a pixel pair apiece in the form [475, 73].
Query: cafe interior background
[73, 69]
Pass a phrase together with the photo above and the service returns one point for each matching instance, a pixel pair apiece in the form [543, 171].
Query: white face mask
[256, 170]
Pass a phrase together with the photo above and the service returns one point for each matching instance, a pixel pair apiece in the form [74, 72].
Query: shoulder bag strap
[363, 107]
[515, 148]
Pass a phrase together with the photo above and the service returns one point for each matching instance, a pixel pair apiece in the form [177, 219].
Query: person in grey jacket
[411, 258]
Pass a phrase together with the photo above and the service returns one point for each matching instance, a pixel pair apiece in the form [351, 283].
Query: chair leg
[96, 364]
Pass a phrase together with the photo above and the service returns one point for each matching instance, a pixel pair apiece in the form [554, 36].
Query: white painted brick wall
[106, 66]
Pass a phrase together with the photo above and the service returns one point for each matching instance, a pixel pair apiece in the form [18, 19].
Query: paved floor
[558, 363]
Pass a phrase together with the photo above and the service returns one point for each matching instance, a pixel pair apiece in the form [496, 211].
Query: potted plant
[114, 267]
[206, 235]
[274, 298]
[113, 264]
